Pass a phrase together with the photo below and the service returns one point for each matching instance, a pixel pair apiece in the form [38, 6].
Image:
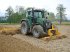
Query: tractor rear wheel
[24, 27]
[37, 31]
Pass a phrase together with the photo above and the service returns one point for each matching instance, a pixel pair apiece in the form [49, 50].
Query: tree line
[15, 15]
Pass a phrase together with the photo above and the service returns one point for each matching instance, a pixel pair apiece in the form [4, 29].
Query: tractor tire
[24, 28]
[37, 31]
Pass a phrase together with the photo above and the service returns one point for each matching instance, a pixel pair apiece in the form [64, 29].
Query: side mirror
[46, 17]
[48, 13]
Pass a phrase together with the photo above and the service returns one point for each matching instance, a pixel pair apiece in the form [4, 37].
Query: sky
[49, 5]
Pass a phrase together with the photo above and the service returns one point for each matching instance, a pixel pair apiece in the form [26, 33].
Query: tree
[20, 10]
[9, 13]
[61, 12]
[15, 16]
[51, 16]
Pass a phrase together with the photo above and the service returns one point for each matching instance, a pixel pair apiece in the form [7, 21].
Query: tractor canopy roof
[36, 10]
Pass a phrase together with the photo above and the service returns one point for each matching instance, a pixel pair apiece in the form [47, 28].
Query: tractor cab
[34, 14]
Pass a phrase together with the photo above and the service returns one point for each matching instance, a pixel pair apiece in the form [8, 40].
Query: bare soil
[22, 43]
[10, 44]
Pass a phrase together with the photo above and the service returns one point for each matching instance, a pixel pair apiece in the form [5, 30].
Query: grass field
[63, 23]
[55, 22]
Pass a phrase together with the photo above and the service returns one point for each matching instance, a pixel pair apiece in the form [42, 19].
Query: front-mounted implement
[53, 31]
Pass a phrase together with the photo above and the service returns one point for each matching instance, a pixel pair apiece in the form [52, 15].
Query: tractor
[37, 23]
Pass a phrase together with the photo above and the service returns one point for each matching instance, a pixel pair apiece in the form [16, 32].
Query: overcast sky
[49, 5]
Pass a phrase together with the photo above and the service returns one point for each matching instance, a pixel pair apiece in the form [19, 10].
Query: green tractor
[36, 23]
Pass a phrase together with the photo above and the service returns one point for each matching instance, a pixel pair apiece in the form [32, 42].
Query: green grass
[63, 23]
[9, 23]
[55, 22]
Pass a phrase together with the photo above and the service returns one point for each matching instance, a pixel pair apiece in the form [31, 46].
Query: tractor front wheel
[37, 31]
